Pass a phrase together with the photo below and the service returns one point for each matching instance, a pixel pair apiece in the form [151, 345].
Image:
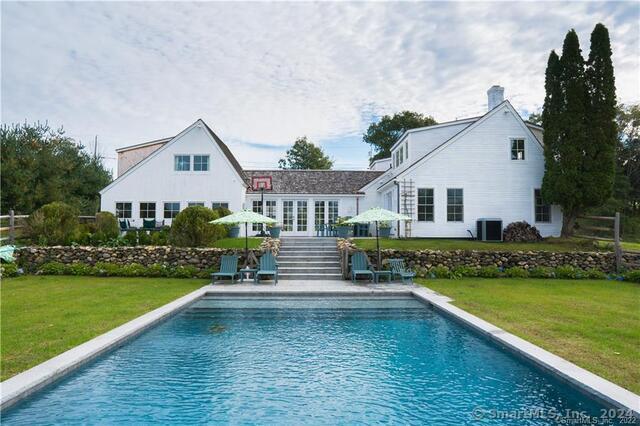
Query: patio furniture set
[360, 266]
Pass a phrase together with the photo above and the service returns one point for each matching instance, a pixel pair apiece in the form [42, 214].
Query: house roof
[225, 149]
[316, 181]
[143, 144]
[434, 126]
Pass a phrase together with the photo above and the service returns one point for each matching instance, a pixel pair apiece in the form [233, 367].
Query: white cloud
[266, 73]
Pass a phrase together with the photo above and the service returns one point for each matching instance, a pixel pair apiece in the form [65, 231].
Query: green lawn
[593, 323]
[549, 244]
[43, 316]
[254, 242]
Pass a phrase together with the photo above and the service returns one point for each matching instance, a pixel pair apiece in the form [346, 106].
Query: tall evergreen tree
[600, 151]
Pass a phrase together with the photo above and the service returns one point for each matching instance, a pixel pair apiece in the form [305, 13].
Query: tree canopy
[305, 155]
[383, 134]
[579, 121]
[41, 165]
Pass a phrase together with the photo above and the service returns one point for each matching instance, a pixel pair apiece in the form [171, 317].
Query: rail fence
[15, 222]
[603, 228]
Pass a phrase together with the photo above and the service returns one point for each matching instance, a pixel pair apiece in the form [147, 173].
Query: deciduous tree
[305, 155]
[383, 134]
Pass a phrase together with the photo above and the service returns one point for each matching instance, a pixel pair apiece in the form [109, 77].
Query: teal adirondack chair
[360, 266]
[399, 270]
[228, 268]
[6, 253]
[268, 266]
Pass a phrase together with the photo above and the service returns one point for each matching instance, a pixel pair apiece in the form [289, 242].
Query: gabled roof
[223, 147]
[143, 144]
[434, 126]
[315, 181]
[467, 129]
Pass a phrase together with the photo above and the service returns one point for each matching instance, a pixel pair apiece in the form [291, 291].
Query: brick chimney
[495, 96]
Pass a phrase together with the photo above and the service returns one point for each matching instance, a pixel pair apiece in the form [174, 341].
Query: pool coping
[28, 382]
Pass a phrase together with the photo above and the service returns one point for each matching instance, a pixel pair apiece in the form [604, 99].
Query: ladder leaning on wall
[407, 199]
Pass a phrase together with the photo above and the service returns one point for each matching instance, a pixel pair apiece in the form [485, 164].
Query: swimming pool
[313, 360]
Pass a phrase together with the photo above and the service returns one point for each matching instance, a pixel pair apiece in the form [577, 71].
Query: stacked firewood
[521, 232]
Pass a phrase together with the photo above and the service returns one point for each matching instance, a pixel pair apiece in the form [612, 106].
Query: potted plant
[234, 230]
[274, 230]
[384, 229]
[343, 229]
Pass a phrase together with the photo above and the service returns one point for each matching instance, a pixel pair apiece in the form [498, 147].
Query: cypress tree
[599, 160]
[551, 112]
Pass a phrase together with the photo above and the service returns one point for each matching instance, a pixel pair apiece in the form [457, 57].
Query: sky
[263, 74]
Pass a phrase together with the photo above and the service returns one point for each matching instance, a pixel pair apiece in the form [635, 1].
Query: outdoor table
[247, 271]
[378, 274]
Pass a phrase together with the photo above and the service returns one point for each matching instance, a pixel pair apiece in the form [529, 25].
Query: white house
[444, 176]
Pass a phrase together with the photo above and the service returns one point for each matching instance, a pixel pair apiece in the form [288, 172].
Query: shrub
[184, 272]
[568, 272]
[53, 268]
[191, 228]
[489, 272]
[8, 270]
[633, 275]
[595, 274]
[160, 238]
[79, 269]
[106, 226]
[439, 272]
[465, 271]
[53, 224]
[521, 232]
[144, 238]
[157, 270]
[516, 272]
[133, 270]
[541, 272]
[131, 238]
[105, 269]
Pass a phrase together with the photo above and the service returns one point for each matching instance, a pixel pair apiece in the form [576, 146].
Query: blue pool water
[305, 360]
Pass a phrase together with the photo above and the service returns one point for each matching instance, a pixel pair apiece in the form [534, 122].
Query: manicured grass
[254, 242]
[549, 244]
[43, 316]
[593, 323]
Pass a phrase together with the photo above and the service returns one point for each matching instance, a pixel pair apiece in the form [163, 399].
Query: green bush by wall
[53, 224]
[191, 228]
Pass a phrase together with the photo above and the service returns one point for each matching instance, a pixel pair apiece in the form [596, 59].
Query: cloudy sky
[262, 74]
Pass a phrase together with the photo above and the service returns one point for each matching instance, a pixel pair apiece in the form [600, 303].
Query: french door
[295, 217]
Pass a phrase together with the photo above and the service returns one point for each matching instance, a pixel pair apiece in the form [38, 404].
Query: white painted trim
[435, 126]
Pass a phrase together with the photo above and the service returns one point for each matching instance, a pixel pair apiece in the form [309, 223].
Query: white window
[270, 207]
[406, 150]
[123, 210]
[455, 205]
[543, 211]
[200, 163]
[517, 149]
[147, 210]
[182, 163]
[195, 203]
[401, 154]
[332, 207]
[425, 204]
[219, 205]
[171, 209]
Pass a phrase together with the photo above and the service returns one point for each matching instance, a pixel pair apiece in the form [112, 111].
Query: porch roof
[315, 181]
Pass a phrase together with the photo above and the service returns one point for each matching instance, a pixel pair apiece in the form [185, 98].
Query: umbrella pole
[378, 244]
[246, 245]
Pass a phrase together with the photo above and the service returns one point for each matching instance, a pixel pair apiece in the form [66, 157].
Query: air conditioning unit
[489, 229]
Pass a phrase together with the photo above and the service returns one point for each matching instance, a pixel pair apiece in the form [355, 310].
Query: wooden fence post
[12, 226]
[616, 242]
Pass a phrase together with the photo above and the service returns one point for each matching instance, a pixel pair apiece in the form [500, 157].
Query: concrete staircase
[308, 258]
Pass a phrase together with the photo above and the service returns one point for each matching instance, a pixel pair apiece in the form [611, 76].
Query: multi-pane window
[147, 210]
[200, 163]
[270, 207]
[401, 154]
[171, 209]
[425, 204]
[517, 149]
[219, 205]
[181, 163]
[455, 205]
[319, 212]
[257, 208]
[287, 215]
[195, 203]
[406, 150]
[543, 211]
[333, 211]
[123, 210]
[302, 216]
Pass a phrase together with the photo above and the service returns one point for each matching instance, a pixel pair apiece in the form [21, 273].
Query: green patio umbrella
[377, 215]
[244, 216]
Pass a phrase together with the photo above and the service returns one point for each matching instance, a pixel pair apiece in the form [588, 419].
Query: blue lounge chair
[268, 266]
[360, 266]
[148, 224]
[399, 270]
[228, 268]
[125, 225]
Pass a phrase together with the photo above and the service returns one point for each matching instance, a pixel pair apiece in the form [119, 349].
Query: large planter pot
[384, 232]
[344, 231]
[274, 231]
[234, 232]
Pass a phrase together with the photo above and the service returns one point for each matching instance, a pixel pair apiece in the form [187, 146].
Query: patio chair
[6, 253]
[360, 266]
[399, 270]
[125, 225]
[268, 266]
[228, 268]
[148, 224]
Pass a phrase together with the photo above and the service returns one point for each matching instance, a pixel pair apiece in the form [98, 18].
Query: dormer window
[401, 154]
[182, 163]
[200, 163]
[517, 149]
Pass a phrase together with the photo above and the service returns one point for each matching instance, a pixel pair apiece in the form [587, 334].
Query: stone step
[309, 253]
[300, 257]
[285, 269]
[308, 246]
[301, 276]
[310, 263]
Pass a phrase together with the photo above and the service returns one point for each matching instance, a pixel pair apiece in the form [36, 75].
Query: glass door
[295, 220]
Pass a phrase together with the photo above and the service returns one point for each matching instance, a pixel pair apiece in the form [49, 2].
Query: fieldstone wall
[603, 261]
[30, 258]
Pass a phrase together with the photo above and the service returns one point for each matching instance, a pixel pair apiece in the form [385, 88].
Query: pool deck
[24, 384]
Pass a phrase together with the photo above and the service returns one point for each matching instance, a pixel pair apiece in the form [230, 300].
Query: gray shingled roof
[316, 181]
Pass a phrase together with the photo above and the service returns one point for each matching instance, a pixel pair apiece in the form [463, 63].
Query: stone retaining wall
[30, 258]
[603, 261]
